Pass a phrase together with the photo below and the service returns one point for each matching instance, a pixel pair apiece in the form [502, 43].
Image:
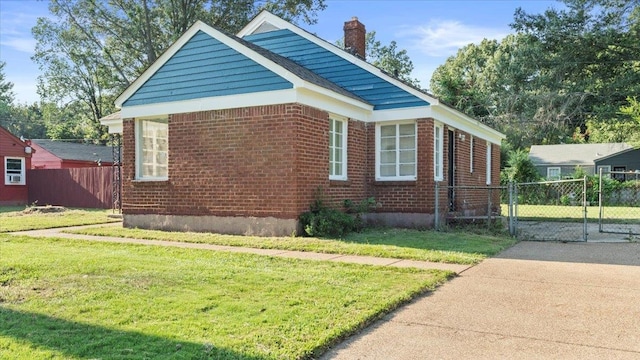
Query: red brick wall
[271, 160]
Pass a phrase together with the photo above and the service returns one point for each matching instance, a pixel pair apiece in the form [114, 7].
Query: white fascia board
[331, 104]
[223, 38]
[419, 112]
[211, 103]
[339, 97]
[266, 16]
[462, 122]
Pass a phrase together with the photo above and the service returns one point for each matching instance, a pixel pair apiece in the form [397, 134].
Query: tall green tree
[91, 50]
[561, 70]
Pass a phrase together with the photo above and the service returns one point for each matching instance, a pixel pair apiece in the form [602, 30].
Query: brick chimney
[354, 37]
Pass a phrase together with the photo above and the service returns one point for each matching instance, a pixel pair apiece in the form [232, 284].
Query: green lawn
[449, 247]
[14, 219]
[571, 213]
[65, 299]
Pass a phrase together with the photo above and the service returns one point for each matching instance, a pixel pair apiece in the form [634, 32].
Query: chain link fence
[618, 194]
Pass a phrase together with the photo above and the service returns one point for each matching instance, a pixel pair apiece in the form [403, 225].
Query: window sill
[149, 180]
[395, 183]
[337, 183]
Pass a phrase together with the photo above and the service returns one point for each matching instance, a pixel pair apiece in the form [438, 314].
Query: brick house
[16, 159]
[235, 134]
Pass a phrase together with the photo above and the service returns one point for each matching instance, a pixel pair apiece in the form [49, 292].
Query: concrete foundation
[218, 224]
[401, 220]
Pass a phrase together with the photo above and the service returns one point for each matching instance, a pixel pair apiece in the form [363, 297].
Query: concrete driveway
[534, 301]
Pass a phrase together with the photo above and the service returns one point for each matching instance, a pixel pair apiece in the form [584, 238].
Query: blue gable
[376, 91]
[205, 67]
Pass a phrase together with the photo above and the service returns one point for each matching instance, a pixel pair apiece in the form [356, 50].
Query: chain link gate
[618, 195]
[550, 210]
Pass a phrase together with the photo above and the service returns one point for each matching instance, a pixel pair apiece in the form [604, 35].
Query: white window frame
[471, 155]
[557, 168]
[342, 147]
[397, 124]
[139, 151]
[438, 149]
[12, 177]
[606, 169]
[489, 151]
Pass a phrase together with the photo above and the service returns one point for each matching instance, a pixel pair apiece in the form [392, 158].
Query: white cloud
[22, 44]
[440, 38]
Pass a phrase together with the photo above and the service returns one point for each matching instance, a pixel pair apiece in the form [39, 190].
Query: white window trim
[345, 134]
[471, 155]
[9, 179]
[378, 142]
[489, 163]
[138, 144]
[438, 156]
[558, 168]
[606, 171]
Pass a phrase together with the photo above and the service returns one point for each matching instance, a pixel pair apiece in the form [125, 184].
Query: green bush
[324, 221]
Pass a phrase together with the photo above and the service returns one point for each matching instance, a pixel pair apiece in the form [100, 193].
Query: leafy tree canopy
[560, 71]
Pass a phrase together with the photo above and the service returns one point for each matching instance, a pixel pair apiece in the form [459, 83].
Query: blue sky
[430, 30]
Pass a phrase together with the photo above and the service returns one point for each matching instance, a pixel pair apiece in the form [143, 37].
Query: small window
[152, 149]
[337, 148]
[488, 163]
[438, 131]
[14, 171]
[553, 173]
[396, 155]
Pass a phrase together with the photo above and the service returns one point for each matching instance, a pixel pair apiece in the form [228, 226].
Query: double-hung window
[438, 137]
[396, 153]
[14, 171]
[152, 149]
[337, 148]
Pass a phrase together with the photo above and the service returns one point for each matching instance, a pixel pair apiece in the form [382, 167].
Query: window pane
[153, 148]
[338, 155]
[14, 164]
[407, 129]
[387, 170]
[337, 169]
[389, 130]
[408, 142]
[407, 157]
[407, 170]
[388, 157]
[388, 144]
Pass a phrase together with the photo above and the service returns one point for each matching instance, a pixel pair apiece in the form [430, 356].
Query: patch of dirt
[44, 209]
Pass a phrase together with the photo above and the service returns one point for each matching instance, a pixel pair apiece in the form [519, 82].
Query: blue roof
[206, 67]
[353, 78]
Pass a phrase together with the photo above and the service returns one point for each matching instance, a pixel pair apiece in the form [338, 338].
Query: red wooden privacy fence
[77, 187]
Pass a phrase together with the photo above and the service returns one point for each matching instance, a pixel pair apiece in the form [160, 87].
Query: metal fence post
[437, 210]
[600, 209]
[489, 208]
[584, 206]
[510, 207]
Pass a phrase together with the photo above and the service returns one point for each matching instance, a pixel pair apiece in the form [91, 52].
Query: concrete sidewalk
[368, 260]
[534, 301]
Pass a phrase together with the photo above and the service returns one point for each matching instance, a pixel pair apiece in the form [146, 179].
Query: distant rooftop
[76, 151]
[573, 154]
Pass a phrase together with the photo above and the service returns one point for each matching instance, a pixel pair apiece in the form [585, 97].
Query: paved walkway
[534, 301]
[370, 260]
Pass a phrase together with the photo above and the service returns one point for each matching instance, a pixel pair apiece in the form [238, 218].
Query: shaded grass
[456, 248]
[64, 299]
[611, 214]
[13, 219]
